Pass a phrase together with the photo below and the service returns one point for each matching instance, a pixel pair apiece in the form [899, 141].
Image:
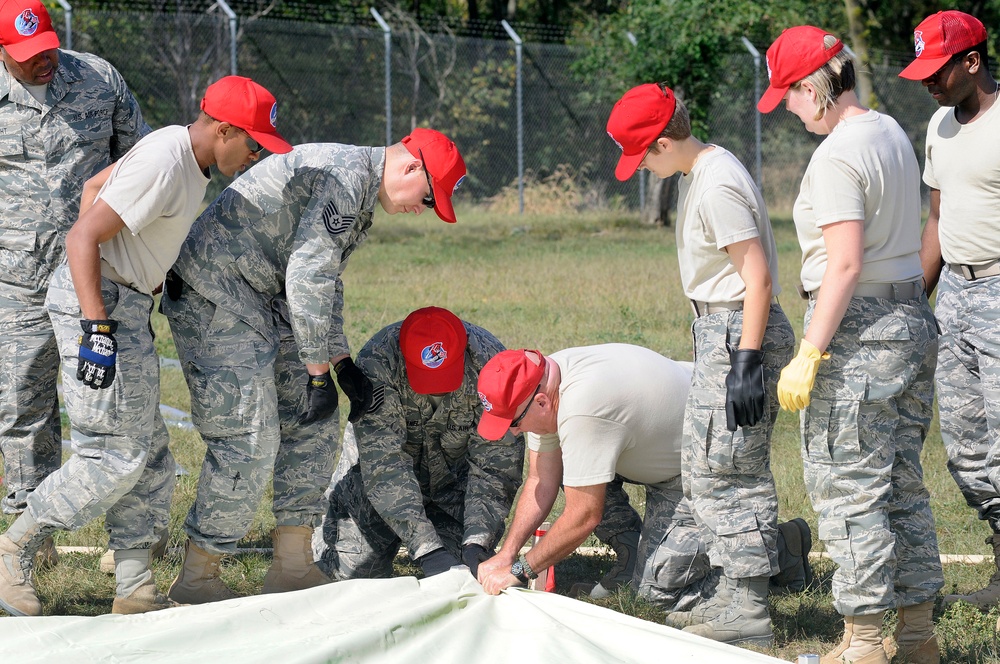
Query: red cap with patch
[26, 29]
[636, 121]
[443, 163]
[939, 37]
[505, 382]
[796, 53]
[249, 106]
[433, 342]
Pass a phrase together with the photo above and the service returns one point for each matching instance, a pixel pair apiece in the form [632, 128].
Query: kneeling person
[413, 470]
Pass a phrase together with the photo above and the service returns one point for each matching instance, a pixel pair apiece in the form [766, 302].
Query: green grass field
[550, 283]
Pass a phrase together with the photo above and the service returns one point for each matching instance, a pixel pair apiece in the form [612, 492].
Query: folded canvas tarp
[446, 618]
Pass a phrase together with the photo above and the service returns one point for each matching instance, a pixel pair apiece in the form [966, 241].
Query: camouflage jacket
[89, 120]
[412, 454]
[278, 239]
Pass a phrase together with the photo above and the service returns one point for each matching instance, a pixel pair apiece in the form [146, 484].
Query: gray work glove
[745, 396]
[437, 562]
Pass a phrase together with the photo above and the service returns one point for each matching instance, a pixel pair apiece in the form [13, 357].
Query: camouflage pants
[673, 569]
[862, 434]
[121, 465]
[247, 393]
[30, 436]
[727, 475]
[968, 382]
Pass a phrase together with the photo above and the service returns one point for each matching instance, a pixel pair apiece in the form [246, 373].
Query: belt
[906, 290]
[973, 272]
[706, 308]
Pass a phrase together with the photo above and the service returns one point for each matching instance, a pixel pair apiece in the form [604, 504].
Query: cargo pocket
[738, 537]
[715, 441]
[830, 431]
[834, 533]
[18, 264]
[885, 344]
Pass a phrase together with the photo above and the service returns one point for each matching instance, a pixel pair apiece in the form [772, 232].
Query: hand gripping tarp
[446, 618]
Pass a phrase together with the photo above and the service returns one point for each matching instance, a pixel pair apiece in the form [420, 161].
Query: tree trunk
[661, 198]
[856, 32]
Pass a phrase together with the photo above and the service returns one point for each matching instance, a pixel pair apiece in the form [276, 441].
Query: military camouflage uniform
[863, 432]
[254, 296]
[46, 154]
[415, 472]
[727, 474]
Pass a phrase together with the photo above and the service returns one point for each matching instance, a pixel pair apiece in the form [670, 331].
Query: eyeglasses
[255, 147]
[428, 200]
[516, 422]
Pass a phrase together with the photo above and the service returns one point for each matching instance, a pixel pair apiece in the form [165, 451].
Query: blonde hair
[831, 80]
[679, 126]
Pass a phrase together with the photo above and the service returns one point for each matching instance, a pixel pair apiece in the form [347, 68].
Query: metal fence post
[68, 11]
[642, 176]
[387, 34]
[756, 95]
[520, 116]
[232, 34]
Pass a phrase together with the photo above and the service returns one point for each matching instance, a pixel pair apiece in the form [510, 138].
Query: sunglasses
[252, 145]
[428, 200]
[516, 422]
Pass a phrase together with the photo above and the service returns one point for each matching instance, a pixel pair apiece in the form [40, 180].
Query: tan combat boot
[107, 564]
[745, 620]
[292, 567]
[18, 547]
[626, 547]
[862, 642]
[705, 610]
[198, 581]
[989, 596]
[914, 641]
[135, 590]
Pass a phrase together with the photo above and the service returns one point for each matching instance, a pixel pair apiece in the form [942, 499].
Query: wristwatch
[522, 570]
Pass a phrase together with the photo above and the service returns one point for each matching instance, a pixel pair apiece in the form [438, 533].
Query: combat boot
[989, 596]
[706, 610]
[862, 642]
[745, 620]
[158, 550]
[18, 547]
[135, 591]
[914, 641]
[198, 581]
[626, 547]
[292, 567]
[794, 544]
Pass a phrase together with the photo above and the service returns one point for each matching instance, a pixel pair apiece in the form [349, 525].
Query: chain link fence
[331, 86]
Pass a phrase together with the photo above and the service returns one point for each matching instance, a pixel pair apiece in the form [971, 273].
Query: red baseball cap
[26, 29]
[249, 106]
[505, 381]
[443, 163]
[636, 121]
[939, 37]
[796, 53]
[433, 343]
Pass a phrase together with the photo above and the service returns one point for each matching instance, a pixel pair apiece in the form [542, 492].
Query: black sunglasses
[254, 146]
[516, 422]
[428, 200]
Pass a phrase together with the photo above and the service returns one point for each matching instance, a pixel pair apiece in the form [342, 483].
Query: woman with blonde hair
[863, 376]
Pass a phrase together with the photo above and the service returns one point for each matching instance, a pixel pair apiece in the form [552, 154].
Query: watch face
[517, 569]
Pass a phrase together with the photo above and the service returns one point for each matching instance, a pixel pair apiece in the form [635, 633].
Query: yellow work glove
[798, 377]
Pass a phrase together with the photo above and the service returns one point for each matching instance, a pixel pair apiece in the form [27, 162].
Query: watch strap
[528, 572]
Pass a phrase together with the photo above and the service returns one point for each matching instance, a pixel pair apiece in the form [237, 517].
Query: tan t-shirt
[718, 205]
[621, 410]
[963, 162]
[864, 170]
[157, 189]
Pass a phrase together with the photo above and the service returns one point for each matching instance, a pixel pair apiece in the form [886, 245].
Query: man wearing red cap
[65, 116]
[135, 217]
[594, 414]
[961, 247]
[413, 469]
[255, 304]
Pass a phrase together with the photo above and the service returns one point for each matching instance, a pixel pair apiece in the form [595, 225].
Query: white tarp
[444, 619]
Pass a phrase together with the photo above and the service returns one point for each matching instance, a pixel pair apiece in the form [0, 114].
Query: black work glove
[98, 350]
[472, 555]
[321, 399]
[172, 285]
[356, 387]
[437, 561]
[745, 396]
